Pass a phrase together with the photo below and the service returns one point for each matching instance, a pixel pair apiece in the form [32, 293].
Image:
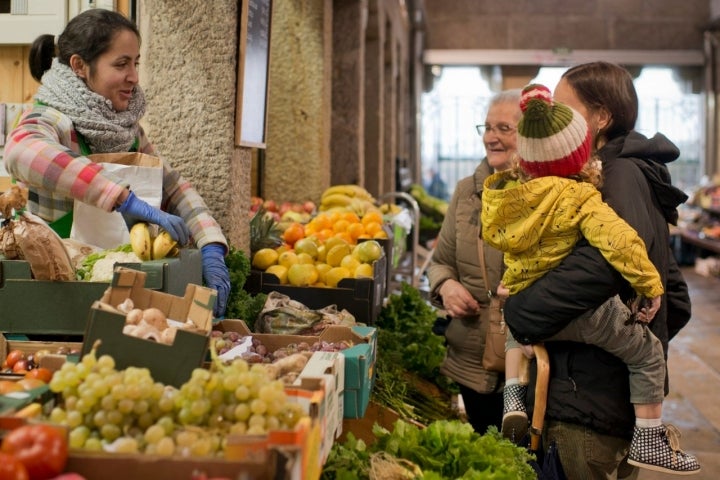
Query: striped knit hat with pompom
[553, 139]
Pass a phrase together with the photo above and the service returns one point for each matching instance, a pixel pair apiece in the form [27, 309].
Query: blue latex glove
[216, 275]
[134, 209]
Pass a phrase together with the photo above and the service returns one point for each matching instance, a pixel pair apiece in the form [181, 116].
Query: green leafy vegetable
[241, 304]
[443, 450]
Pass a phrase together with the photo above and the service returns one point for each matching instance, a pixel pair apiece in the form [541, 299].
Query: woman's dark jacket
[589, 386]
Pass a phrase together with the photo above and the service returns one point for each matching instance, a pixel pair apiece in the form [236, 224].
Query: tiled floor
[694, 367]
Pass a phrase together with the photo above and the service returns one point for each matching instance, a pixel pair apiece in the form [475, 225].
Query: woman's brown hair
[604, 85]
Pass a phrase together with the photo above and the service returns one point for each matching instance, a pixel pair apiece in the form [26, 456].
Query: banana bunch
[352, 198]
[390, 209]
[148, 247]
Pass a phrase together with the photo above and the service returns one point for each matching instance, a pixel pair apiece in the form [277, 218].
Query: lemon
[307, 246]
[335, 274]
[302, 274]
[364, 270]
[288, 258]
[280, 271]
[264, 258]
[350, 262]
[321, 253]
[333, 241]
[337, 253]
[305, 258]
[322, 269]
[368, 251]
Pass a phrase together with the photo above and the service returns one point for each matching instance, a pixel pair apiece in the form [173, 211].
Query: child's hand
[502, 292]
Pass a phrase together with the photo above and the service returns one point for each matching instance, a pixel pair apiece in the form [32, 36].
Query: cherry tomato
[11, 468]
[43, 449]
[40, 373]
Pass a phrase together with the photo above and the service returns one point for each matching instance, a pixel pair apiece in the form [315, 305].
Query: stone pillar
[348, 90]
[188, 64]
[297, 160]
[374, 98]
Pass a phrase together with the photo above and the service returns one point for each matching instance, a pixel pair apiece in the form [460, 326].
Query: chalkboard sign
[253, 67]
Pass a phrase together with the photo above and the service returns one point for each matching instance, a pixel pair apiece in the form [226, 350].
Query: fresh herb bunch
[405, 333]
[241, 304]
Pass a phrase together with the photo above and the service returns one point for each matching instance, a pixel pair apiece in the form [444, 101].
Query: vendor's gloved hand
[135, 209]
[216, 275]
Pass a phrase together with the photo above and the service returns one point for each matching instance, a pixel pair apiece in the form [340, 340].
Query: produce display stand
[413, 266]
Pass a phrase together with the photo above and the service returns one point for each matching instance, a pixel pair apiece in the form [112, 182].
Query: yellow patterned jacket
[537, 223]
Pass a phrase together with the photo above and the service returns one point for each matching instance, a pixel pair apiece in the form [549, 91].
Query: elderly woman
[455, 282]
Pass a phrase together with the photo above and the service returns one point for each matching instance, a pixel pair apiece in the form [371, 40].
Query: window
[451, 149]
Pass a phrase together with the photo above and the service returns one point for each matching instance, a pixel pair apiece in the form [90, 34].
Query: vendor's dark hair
[88, 35]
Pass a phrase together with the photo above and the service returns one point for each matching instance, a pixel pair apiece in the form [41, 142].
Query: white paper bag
[144, 174]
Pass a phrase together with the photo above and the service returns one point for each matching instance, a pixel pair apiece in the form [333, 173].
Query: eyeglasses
[501, 129]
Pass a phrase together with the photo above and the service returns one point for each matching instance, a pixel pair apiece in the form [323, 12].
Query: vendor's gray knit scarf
[104, 129]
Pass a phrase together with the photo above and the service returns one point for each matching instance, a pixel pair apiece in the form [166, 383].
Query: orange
[372, 217]
[294, 232]
[325, 233]
[371, 228]
[340, 226]
[345, 236]
[355, 230]
[351, 217]
[322, 222]
[380, 234]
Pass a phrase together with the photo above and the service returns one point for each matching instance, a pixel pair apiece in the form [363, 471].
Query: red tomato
[13, 357]
[43, 449]
[40, 373]
[11, 468]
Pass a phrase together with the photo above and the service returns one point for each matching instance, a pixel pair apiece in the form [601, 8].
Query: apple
[298, 208]
[309, 206]
[285, 207]
[270, 206]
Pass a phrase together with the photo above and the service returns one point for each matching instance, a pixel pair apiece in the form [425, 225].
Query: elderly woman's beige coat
[456, 257]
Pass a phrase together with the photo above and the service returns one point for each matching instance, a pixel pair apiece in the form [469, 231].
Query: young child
[535, 215]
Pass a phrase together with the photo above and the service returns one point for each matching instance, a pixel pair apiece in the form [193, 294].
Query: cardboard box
[362, 297]
[359, 359]
[59, 351]
[45, 307]
[10, 342]
[106, 466]
[169, 364]
[301, 446]
[329, 367]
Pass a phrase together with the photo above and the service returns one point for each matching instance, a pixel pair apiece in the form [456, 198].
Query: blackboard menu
[254, 54]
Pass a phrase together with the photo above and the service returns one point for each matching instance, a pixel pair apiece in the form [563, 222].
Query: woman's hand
[647, 308]
[457, 301]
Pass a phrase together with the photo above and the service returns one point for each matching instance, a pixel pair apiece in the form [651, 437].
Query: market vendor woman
[90, 103]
